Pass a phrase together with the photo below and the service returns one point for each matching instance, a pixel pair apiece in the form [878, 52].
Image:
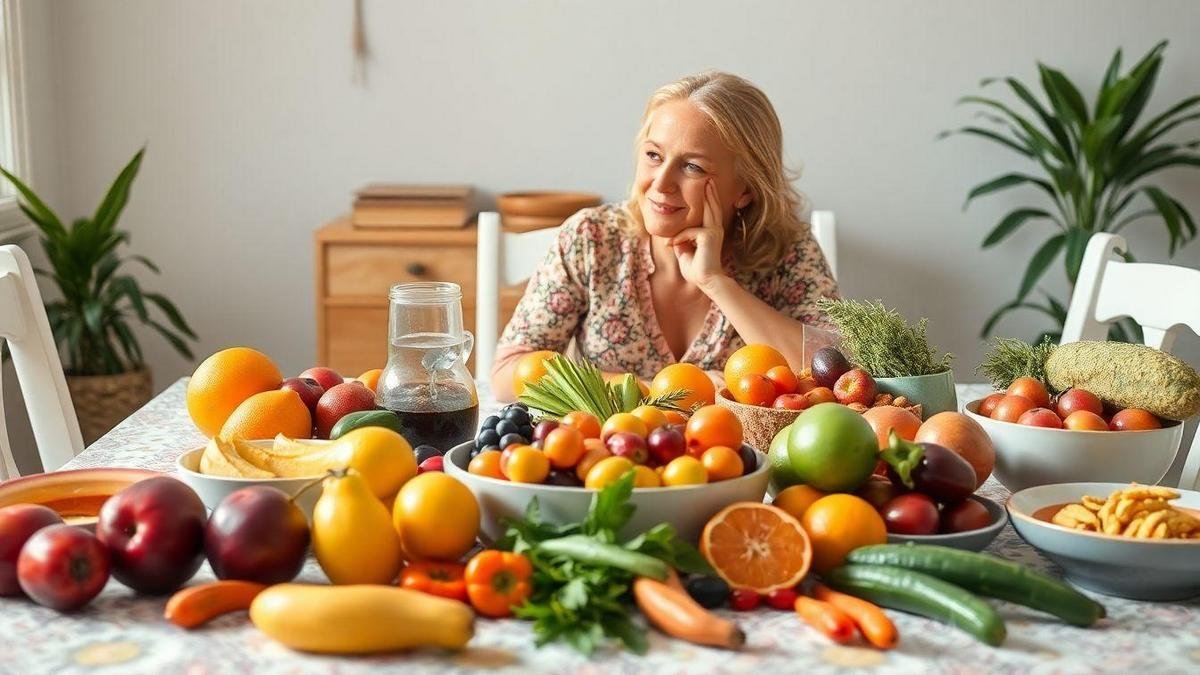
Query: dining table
[123, 632]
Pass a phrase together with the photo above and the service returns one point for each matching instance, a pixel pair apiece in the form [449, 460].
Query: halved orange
[756, 546]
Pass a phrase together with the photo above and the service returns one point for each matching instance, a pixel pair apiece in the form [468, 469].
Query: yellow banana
[221, 459]
[315, 463]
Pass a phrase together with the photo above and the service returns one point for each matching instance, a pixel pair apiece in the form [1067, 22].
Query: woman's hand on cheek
[698, 249]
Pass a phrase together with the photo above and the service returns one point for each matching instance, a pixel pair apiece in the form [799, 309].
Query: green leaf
[172, 313]
[990, 135]
[1186, 217]
[662, 542]
[128, 287]
[35, 208]
[1010, 223]
[118, 194]
[1130, 218]
[610, 509]
[1052, 123]
[1038, 264]
[1077, 241]
[1006, 181]
[176, 342]
[93, 314]
[1167, 208]
[995, 317]
[623, 628]
[1066, 100]
[1110, 77]
[1057, 307]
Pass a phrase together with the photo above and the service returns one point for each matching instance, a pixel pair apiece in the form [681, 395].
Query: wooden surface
[353, 270]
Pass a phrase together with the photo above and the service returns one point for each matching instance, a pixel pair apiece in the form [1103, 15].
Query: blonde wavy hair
[746, 122]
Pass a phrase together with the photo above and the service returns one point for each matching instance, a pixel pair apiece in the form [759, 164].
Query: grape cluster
[511, 425]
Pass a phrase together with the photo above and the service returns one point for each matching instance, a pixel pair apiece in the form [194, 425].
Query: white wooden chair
[502, 258]
[23, 324]
[824, 229]
[1160, 298]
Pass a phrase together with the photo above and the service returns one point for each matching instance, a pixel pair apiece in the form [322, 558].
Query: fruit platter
[611, 518]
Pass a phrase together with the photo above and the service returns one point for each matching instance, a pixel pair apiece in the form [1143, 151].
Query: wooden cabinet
[355, 267]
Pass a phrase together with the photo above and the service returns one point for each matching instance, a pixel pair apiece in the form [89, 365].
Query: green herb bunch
[1010, 358]
[881, 341]
[583, 576]
[579, 385]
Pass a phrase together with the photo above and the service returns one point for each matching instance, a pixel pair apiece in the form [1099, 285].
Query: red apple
[543, 428]
[328, 378]
[154, 531]
[1011, 407]
[435, 463]
[988, 405]
[63, 567]
[1040, 417]
[628, 445]
[965, 516]
[1078, 399]
[309, 389]
[17, 524]
[257, 534]
[790, 402]
[855, 386]
[911, 513]
[339, 401]
[665, 444]
[1083, 420]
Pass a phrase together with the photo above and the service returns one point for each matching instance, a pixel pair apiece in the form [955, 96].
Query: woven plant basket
[101, 401]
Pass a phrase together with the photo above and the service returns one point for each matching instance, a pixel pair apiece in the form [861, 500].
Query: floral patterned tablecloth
[120, 632]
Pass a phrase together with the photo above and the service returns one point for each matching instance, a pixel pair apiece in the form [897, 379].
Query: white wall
[257, 134]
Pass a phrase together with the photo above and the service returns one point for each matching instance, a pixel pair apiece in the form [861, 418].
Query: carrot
[674, 612]
[874, 625]
[826, 618]
[197, 605]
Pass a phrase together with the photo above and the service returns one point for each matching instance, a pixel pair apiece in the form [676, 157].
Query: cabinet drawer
[356, 339]
[353, 270]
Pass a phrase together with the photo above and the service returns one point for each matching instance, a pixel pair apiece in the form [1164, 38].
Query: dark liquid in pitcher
[442, 415]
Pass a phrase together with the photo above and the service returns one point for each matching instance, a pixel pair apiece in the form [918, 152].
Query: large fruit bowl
[1027, 456]
[688, 508]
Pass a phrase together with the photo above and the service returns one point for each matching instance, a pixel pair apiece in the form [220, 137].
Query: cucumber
[988, 575]
[366, 418]
[921, 594]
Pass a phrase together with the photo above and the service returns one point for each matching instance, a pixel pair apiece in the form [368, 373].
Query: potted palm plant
[1091, 162]
[102, 358]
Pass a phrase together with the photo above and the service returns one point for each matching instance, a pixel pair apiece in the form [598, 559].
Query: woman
[707, 254]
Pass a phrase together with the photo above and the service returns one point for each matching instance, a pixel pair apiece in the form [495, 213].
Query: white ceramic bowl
[687, 508]
[1027, 456]
[212, 489]
[971, 540]
[1142, 569]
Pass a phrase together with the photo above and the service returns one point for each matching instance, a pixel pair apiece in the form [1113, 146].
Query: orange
[710, 426]
[884, 418]
[684, 470]
[674, 417]
[486, 463]
[721, 463]
[752, 389]
[530, 368]
[756, 546]
[622, 421]
[838, 524]
[653, 417]
[437, 517]
[797, 498]
[268, 413]
[371, 378]
[224, 380]
[585, 422]
[685, 376]
[753, 359]
[606, 471]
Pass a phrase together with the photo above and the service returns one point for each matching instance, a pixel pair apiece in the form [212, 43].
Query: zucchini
[988, 575]
[918, 593]
[366, 418]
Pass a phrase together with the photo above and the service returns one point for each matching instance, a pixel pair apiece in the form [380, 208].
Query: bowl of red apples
[1072, 437]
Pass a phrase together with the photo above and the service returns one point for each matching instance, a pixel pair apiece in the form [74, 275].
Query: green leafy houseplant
[91, 323]
[1091, 162]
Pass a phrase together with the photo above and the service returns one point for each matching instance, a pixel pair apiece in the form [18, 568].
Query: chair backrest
[502, 258]
[25, 328]
[824, 229]
[1160, 298]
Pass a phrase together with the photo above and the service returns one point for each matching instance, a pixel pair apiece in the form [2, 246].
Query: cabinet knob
[416, 269]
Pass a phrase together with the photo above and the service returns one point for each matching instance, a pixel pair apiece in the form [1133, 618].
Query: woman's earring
[742, 222]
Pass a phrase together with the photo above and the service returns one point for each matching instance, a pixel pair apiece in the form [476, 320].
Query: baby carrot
[830, 620]
[874, 625]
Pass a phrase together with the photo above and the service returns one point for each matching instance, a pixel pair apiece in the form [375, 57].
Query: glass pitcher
[426, 382]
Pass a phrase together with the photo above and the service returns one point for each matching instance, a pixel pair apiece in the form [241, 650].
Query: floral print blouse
[594, 286]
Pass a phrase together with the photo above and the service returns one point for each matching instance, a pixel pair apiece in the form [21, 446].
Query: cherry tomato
[743, 599]
[527, 464]
[911, 513]
[782, 598]
[965, 516]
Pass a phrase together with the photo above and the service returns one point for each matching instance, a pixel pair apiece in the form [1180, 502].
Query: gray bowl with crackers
[1131, 541]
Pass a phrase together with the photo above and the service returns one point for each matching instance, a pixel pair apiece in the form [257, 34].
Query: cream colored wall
[256, 133]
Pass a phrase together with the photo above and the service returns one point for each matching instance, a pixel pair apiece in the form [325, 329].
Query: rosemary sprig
[668, 401]
[1010, 358]
[882, 341]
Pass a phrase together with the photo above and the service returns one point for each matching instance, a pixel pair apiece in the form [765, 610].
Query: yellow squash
[360, 619]
[352, 534]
